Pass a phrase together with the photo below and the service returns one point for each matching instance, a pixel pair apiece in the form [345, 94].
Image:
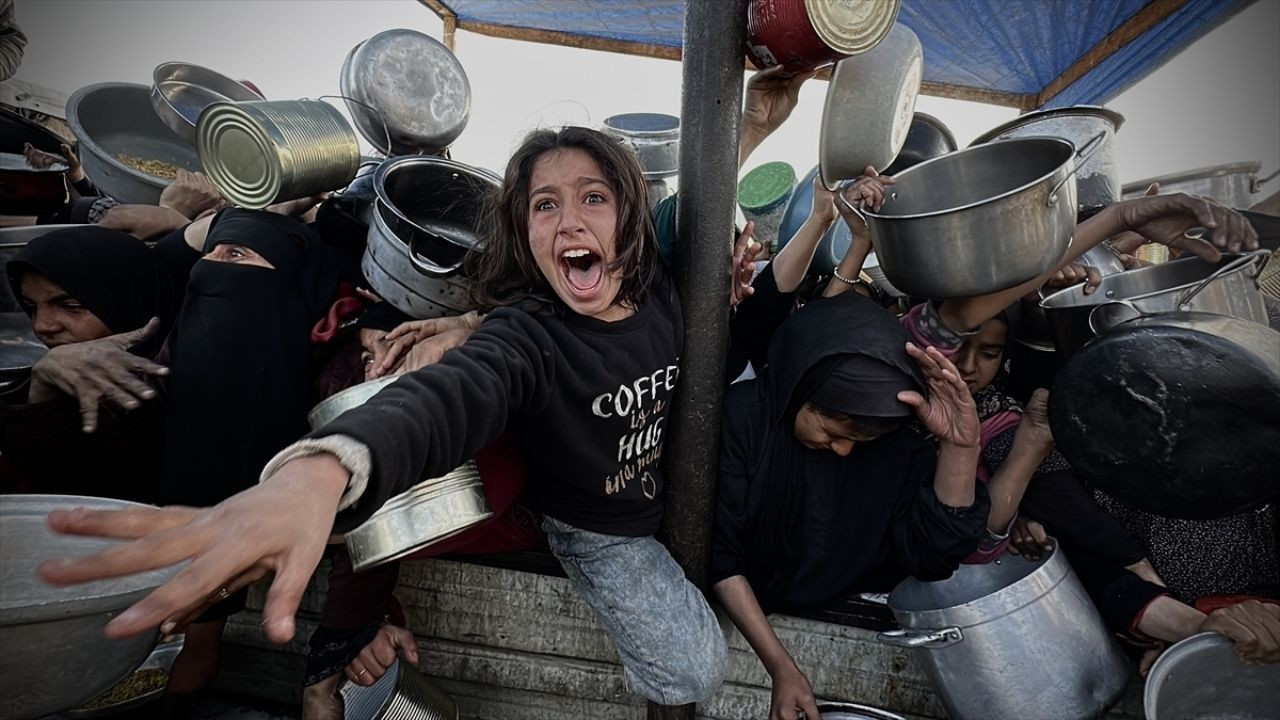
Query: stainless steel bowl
[110, 119]
[181, 91]
[1201, 677]
[56, 655]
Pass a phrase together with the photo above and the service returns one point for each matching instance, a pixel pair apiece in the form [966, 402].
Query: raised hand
[744, 257]
[949, 412]
[95, 370]
[1174, 220]
[191, 194]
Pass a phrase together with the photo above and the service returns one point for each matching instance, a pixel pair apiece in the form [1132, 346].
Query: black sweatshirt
[589, 400]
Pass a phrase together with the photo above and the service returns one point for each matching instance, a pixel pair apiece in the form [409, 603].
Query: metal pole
[714, 37]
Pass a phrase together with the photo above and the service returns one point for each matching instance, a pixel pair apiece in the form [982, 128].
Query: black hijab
[112, 274]
[808, 527]
[240, 356]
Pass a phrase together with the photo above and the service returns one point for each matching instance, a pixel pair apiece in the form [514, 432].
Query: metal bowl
[334, 405]
[181, 91]
[1201, 677]
[160, 659]
[110, 119]
[406, 85]
[56, 655]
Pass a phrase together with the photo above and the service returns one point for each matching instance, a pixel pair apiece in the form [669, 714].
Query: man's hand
[191, 194]
[1174, 220]
[95, 370]
[771, 96]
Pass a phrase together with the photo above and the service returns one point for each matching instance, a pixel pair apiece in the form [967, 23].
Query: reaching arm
[771, 96]
[791, 690]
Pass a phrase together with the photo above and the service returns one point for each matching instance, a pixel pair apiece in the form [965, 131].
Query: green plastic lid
[766, 186]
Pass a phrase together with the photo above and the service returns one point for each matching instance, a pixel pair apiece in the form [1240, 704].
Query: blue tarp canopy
[1022, 53]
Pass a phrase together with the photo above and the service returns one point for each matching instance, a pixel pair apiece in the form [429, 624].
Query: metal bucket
[270, 151]
[401, 693]
[653, 137]
[975, 627]
[979, 220]
[1229, 287]
[1098, 179]
[804, 34]
[1235, 185]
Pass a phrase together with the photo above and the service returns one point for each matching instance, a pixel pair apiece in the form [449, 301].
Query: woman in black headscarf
[823, 491]
[80, 286]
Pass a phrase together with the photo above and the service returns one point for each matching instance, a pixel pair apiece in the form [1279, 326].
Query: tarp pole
[714, 40]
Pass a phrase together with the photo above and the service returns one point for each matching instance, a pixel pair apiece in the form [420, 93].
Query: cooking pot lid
[1177, 414]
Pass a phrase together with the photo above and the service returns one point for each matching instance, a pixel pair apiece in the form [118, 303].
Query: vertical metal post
[714, 39]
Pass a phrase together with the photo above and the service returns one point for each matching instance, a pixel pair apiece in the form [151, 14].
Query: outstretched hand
[771, 96]
[744, 257]
[949, 412]
[279, 526]
[1176, 221]
[95, 370]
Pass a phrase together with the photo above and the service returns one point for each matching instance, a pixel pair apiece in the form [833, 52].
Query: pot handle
[1082, 156]
[1095, 322]
[386, 131]
[855, 210]
[927, 639]
[426, 267]
[1257, 257]
[1256, 185]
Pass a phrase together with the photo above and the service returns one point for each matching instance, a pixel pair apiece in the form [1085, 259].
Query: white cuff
[353, 454]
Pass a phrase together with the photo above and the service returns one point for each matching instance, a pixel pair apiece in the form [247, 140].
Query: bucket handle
[1095, 322]
[1082, 156]
[1257, 257]
[386, 131]
[926, 639]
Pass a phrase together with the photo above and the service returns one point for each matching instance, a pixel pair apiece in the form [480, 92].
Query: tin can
[802, 35]
[266, 152]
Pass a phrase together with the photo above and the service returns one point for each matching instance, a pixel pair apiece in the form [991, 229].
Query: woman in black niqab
[240, 356]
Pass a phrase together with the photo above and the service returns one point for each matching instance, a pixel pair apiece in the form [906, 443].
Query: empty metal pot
[1011, 639]
[269, 151]
[1098, 179]
[978, 220]
[1229, 287]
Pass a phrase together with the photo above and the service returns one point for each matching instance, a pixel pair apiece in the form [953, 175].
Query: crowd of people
[869, 443]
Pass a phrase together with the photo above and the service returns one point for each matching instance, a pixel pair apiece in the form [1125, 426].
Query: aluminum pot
[1201, 677]
[113, 119]
[1009, 639]
[1177, 414]
[56, 655]
[181, 91]
[869, 107]
[413, 84]
[978, 220]
[1098, 179]
[1235, 185]
[1229, 287]
[653, 137]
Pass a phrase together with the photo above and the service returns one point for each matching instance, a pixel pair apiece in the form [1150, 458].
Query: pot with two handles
[425, 221]
[1009, 639]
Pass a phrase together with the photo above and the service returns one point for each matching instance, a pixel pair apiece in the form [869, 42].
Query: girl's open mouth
[583, 270]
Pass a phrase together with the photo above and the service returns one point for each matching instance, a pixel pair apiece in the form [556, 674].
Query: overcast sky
[1218, 102]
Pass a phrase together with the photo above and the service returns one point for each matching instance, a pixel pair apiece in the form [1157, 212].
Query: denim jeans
[673, 651]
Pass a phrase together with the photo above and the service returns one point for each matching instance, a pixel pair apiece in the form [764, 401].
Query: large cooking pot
[979, 220]
[1229, 287]
[425, 221]
[116, 119]
[1235, 185]
[927, 138]
[1098, 179]
[407, 93]
[1177, 414]
[1011, 639]
[1201, 677]
[653, 137]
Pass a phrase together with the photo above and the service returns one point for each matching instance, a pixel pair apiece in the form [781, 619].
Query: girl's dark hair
[505, 273]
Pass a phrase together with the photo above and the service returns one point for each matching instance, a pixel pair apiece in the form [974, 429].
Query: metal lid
[181, 91]
[1086, 110]
[412, 83]
[642, 125]
[766, 186]
[852, 26]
